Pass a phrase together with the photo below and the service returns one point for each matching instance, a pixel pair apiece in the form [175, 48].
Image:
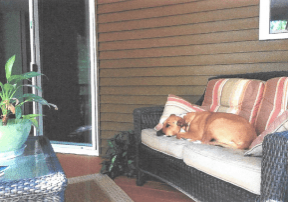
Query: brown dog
[215, 128]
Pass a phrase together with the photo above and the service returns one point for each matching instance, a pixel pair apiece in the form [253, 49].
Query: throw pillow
[234, 95]
[273, 104]
[176, 105]
[278, 125]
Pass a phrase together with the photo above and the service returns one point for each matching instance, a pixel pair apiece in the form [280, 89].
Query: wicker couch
[198, 184]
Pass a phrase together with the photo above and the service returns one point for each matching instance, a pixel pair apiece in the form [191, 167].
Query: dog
[213, 128]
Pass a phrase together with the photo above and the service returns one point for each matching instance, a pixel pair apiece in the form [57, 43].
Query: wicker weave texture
[274, 181]
[42, 187]
[199, 185]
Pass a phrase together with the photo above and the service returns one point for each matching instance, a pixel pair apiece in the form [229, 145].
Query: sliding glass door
[65, 53]
[56, 38]
[14, 39]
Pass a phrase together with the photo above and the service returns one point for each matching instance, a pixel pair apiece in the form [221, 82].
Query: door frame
[65, 147]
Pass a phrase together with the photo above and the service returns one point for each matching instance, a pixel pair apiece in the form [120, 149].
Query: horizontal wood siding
[149, 49]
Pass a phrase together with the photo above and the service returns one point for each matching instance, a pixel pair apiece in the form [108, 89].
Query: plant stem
[4, 120]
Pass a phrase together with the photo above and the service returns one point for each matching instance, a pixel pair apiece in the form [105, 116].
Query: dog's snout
[160, 133]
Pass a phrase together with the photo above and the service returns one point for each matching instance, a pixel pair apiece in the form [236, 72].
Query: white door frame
[64, 147]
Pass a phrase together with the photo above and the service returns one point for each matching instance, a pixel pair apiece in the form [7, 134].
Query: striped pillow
[176, 105]
[273, 104]
[234, 95]
[280, 124]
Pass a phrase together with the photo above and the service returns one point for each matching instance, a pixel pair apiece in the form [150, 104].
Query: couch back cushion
[234, 95]
[273, 104]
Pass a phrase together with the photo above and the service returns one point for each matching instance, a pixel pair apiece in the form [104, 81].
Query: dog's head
[172, 125]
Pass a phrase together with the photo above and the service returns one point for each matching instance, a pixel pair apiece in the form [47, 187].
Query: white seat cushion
[167, 145]
[227, 164]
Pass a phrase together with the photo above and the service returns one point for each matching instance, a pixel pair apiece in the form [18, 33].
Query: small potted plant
[15, 131]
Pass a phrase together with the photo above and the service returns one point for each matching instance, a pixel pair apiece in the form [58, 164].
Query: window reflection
[278, 16]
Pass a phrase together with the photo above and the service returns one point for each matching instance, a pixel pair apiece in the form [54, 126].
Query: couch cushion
[234, 95]
[280, 124]
[273, 104]
[226, 164]
[176, 105]
[167, 145]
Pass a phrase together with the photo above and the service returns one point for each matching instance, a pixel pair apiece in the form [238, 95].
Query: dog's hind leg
[229, 144]
[207, 138]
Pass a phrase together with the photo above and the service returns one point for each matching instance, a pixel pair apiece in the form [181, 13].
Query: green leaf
[32, 117]
[112, 163]
[35, 98]
[15, 78]
[34, 122]
[32, 86]
[2, 94]
[8, 90]
[27, 75]
[8, 66]
[28, 116]
[18, 112]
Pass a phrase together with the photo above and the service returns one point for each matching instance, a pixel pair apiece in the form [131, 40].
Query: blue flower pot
[14, 135]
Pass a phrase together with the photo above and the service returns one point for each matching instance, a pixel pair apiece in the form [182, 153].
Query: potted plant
[15, 131]
[120, 156]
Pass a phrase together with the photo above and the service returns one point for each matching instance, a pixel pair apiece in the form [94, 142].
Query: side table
[36, 175]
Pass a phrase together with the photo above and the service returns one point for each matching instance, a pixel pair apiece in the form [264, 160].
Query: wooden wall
[149, 49]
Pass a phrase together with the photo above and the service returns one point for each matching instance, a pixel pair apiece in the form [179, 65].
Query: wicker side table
[36, 175]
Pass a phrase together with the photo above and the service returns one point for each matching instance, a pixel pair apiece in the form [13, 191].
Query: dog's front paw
[178, 136]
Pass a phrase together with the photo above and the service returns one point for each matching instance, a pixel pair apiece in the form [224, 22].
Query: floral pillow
[176, 105]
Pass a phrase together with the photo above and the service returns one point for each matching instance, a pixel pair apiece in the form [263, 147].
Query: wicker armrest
[274, 176]
[146, 117]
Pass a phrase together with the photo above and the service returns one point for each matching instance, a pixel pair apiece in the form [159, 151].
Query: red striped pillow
[176, 105]
[273, 104]
[278, 125]
[234, 95]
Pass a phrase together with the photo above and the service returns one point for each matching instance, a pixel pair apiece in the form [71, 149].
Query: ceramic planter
[13, 136]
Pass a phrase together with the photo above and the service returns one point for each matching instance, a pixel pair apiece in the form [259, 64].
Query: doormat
[95, 187]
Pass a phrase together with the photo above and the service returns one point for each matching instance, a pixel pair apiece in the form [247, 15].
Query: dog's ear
[181, 122]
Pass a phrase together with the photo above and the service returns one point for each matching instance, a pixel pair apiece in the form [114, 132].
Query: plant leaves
[28, 116]
[32, 74]
[112, 163]
[15, 78]
[32, 86]
[32, 117]
[27, 75]
[18, 112]
[34, 122]
[8, 91]
[35, 98]
[8, 66]
[8, 87]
